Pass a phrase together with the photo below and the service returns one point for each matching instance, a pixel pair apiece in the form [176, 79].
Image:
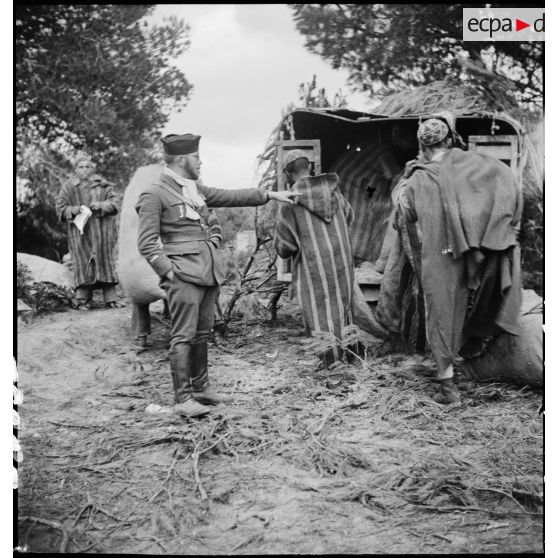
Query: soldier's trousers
[192, 310]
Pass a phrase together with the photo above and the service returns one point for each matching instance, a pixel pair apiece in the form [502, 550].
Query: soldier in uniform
[175, 209]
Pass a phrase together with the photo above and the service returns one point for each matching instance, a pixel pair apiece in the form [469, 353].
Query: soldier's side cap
[293, 154]
[180, 144]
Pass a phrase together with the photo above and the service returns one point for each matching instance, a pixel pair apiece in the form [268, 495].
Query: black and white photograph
[279, 279]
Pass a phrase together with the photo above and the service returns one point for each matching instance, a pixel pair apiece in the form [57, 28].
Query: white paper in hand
[82, 218]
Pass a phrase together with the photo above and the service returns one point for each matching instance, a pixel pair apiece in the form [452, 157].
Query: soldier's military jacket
[169, 240]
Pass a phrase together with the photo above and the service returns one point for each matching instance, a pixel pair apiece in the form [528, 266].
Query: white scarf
[190, 193]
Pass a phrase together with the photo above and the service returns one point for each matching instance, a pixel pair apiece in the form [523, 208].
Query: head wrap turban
[293, 155]
[432, 131]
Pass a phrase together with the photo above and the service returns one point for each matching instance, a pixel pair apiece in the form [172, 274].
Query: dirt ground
[304, 461]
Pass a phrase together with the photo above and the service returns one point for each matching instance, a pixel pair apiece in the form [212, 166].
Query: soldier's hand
[95, 206]
[283, 196]
[75, 210]
[170, 275]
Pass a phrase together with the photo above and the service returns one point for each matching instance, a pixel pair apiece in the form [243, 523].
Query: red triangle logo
[519, 25]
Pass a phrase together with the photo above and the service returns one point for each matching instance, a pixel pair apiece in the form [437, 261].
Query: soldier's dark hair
[170, 159]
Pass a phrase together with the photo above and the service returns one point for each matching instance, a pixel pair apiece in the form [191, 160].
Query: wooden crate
[504, 148]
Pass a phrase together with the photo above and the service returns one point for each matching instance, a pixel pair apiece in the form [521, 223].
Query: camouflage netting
[490, 95]
[454, 95]
[438, 95]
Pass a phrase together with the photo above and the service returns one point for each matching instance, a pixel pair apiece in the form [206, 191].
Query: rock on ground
[47, 271]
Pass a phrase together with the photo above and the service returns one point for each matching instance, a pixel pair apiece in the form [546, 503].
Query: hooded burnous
[458, 218]
[315, 234]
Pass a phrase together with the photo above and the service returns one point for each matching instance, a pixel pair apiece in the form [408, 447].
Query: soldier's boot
[181, 371]
[141, 324]
[448, 392]
[202, 392]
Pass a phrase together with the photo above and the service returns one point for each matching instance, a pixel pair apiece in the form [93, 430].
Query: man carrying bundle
[315, 233]
[175, 209]
[89, 195]
[468, 210]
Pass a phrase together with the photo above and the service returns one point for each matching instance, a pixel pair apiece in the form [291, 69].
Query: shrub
[43, 296]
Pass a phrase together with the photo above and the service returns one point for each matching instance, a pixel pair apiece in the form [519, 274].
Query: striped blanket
[401, 306]
[365, 179]
[315, 233]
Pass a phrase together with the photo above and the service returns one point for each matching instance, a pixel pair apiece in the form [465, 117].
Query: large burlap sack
[516, 359]
[139, 281]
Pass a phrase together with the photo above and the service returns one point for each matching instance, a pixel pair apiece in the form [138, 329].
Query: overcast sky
[245, 63]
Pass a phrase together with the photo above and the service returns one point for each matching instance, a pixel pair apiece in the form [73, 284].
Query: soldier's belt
[182, 237]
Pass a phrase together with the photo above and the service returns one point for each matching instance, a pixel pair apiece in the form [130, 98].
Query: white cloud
[246, 63]
[226, 165]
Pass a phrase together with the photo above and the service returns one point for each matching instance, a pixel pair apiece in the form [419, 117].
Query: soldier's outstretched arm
[220, 197]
